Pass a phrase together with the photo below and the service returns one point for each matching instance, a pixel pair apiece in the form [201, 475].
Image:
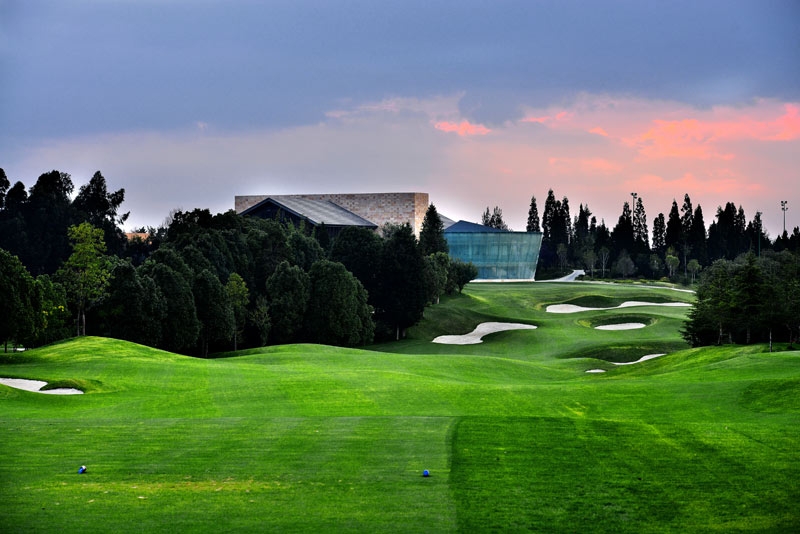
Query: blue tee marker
[425, 473]
[82, 470]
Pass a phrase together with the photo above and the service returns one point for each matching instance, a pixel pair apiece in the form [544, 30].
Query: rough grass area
[516, 436]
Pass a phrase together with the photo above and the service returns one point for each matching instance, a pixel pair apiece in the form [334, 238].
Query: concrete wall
[379, 208]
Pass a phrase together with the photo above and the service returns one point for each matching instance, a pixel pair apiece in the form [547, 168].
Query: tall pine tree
[431, 236]
[533, 217]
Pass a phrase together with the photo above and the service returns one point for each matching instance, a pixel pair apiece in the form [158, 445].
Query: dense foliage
[680, 246]
[204, 283]
[751, 299]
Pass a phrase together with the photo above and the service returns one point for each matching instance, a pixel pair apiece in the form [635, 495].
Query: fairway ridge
[310, 438]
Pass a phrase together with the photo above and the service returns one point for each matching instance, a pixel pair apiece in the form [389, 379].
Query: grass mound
[773, 396]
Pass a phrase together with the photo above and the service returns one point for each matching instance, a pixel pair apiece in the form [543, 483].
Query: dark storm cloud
[85, 67]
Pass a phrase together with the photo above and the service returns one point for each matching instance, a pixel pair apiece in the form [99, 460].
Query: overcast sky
[478, 103]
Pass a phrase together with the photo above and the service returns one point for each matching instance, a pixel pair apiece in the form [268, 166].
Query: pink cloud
[583, 166]
[719, 186]
[464, 128]
[789, 124]
[540, 120]
[555, 119]
[599, 131]
[688, 139]
[704, 138]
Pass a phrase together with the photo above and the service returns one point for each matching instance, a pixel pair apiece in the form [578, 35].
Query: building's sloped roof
[469, 227]
[447, 222]
[316, 211]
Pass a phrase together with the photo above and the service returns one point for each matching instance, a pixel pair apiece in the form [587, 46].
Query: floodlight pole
[784, 207]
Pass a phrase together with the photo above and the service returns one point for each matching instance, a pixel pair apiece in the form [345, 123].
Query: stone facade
[379, 208]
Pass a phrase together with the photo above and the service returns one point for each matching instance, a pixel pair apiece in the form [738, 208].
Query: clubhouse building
[498, 254]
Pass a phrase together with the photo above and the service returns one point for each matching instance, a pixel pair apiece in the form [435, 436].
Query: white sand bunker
[642, 359]
[483, 329]
[36, 386]
[620, 326]
[572, 308]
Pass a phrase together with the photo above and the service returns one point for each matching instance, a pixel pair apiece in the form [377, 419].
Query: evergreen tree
[134, 307]
[659, 235]
[48, 214]
[401, 295]
[711, 315]
[583, 240]
[740, 227]
[214, 311]
[746, 296]
[4, 185]
[323, 237]
[17, 308]
[687, 214]
[239, 297]
[673, 237]
[95, 205]
[180, 326]
[359, 250]
[561, 224]
[548, 216]
[759, 242]
[338, 313]
[726, 235]
[622, 235]
[288, 292]
[640, 227]
[305, 250]
[567, 218]
[486, 218]
[495, 220]
[431, 235]
[697, 237]
[533, 217]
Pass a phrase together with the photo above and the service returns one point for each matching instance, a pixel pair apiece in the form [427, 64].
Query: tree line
[678, 248]
[203, 283]
[747, 300]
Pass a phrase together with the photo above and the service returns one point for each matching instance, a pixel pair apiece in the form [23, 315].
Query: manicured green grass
[514, 432]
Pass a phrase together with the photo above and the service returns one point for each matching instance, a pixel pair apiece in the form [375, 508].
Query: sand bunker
[642, 359]
[572, 308]
[36, 386]
[620, 326]
[481, 330]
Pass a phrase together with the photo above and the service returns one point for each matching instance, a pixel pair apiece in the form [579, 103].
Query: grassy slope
[515, 434]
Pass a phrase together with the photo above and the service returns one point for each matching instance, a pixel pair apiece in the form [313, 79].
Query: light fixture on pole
[784, 207]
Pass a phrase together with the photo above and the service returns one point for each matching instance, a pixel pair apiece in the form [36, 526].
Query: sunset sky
[479, 103]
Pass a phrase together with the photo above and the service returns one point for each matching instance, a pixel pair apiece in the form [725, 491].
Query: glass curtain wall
[498, 255]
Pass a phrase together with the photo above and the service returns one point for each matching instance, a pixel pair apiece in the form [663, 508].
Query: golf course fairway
[514, 432]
